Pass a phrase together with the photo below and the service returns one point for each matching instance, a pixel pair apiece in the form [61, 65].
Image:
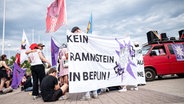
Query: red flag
[56, 15]
[17, 59]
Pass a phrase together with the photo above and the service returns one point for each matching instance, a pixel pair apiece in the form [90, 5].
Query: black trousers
[38, 72]
[57, 94]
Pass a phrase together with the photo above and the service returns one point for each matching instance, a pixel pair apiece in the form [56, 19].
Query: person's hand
[49, 65]
[10, 70]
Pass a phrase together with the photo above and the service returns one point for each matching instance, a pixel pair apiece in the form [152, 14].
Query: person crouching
[50, 89]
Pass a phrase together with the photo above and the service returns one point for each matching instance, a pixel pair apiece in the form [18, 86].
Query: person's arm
[57, 87]
[30, 51]
[29, 60]
[44, 59]
[6, 67]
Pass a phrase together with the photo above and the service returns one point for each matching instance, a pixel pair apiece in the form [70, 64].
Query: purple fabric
[54, 52]
[18, 73]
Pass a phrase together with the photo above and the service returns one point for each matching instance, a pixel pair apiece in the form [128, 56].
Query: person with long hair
[3, 72]
[63, 65]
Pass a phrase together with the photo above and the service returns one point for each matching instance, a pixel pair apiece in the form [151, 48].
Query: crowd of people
[51, 85]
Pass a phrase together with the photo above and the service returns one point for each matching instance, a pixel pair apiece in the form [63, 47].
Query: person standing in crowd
[63, 65]
[88, 94]
[63, 61]
[50, 88]
[4, 69]
[37, 68]
[40, 46]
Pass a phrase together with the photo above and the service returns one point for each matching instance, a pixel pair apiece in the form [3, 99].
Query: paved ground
[167, 91]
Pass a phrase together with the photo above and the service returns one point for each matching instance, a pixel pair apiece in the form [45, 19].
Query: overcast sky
[132, 18]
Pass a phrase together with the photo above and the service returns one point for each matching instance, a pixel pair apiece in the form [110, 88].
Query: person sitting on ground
[4, 68]
[27, 83]
[50, 89]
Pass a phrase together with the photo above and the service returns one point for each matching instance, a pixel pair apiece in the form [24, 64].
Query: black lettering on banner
[140, 74]
[74, 76]
[72, 56]
[85, 76]
[95, 75]
[85, 57]
[91, 57]
[77, 38]
[77, 57]
[69, 38]
[70, 76]
[105, 59]
[103, 76]
[108, 75]
[98, 75]
[97, 58]
[92, 75]
[139, 62]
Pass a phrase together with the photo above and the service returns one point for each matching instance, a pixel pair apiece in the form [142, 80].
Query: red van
[160, 59]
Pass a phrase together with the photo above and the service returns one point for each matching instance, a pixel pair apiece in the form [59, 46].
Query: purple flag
[18, 73]
[178, 51]
[54, 52]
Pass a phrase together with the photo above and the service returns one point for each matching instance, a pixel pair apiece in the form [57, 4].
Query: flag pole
[3, 27]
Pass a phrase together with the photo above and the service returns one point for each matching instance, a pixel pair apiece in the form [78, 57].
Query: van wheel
[150, 74]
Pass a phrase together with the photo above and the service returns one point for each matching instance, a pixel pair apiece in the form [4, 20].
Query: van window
[159, 50]
[145, 49]
[171, 49]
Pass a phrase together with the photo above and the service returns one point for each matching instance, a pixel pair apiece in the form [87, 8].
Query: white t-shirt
[34, 57]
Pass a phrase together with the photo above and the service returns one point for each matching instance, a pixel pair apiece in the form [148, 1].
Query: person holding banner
[37, 68]
[88, 94]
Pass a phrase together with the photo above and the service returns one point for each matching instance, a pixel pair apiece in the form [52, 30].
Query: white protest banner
[98, 62]
[140, 66]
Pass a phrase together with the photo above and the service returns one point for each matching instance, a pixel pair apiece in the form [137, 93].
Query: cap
[74, 29]
[41, 45]
[33, 46]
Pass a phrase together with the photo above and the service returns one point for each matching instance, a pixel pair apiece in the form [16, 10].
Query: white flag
[24, 46]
